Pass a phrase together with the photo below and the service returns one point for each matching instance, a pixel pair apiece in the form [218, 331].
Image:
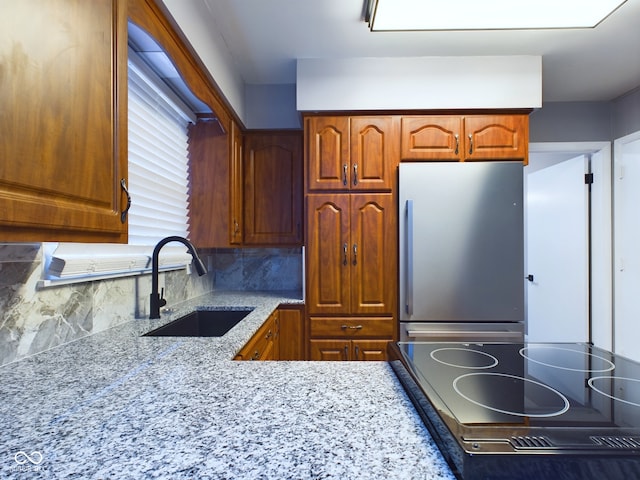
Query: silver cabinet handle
[123, 215]
[357, 355]
[351, 327]
[345, 249]
[346, 352]
[457, 143]
[470, 144]
[345, 171]
[408, 258]
[355, 173]
[355, 253]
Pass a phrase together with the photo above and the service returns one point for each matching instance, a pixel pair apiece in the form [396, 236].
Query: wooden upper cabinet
[352, 153]
[496, 137]
[328, 153]
[273, 188]
[465, 138]
[431, 138]
[374, 152]
[63, 152]
[210, 167]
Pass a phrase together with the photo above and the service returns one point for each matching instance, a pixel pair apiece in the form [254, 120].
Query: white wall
[212, 50]
[419, 83]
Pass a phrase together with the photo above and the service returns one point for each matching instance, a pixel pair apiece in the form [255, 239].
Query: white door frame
[601, 231]
[625, 331]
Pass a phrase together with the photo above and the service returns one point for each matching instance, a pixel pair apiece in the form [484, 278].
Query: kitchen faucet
[157, 300]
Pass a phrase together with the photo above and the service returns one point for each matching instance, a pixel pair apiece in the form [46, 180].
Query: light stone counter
[119, 406]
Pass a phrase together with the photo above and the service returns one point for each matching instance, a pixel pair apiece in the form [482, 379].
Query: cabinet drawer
[345, 327]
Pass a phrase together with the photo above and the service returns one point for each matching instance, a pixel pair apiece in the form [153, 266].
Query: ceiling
[264, 39]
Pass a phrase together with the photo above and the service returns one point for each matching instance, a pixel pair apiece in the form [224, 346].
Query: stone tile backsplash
[33, 320]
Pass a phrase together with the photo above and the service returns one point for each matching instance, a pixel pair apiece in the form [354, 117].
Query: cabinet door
[328, 253]
[291, 333]
[369, 350]
[63, 152]
[496, 137]
[374, 152]
[330, 350]
[209, 184]
[328, 161]
[373, 254]
[235, 187]
[431, 138]
[273, 189]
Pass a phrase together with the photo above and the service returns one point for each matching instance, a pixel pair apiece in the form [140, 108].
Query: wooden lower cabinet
[264, 345]
[281, 337]
[291, 332]
[343, 350]
[350, 338]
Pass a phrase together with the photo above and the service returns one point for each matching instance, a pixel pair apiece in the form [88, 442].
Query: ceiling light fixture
[402, 15]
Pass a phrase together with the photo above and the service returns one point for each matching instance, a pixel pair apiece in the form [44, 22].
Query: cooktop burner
[513, 410]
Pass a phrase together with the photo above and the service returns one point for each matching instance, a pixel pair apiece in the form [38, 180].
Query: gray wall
[586, 121]
[626, 114]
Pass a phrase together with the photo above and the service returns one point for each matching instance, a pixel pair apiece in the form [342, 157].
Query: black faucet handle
[162, 301]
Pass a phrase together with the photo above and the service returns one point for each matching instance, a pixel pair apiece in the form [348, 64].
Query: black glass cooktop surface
[510, 399]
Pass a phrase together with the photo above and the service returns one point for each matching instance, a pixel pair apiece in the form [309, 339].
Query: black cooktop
[505, 410]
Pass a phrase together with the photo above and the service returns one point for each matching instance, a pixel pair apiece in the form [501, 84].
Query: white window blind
[158, 184]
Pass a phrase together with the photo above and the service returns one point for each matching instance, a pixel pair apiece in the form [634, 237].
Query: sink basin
[201, 323]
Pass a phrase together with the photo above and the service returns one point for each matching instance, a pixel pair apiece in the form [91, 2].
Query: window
[158, 184]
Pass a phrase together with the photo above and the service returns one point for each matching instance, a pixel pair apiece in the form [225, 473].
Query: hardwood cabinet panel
[64, 120]
[374, 152]
[330, 350]
[373, 254]
[349, 327]
[352, 153]
[328, 266]
[291, 333]
[235, 187]
[273, 189]
[431, 138]
[263, 344]
[209, 185]
[351, 254]
[328, 161]
[344, 350]
[369, 350]
[465, 138]
[496, 137]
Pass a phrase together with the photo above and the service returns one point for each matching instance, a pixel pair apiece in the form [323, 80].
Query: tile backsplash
[33, 320]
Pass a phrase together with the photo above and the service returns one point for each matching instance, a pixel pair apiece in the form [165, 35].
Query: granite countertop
[115, 405]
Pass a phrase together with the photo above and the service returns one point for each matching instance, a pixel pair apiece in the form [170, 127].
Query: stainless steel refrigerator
[461, 251]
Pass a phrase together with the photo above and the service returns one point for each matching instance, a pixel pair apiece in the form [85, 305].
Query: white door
[626, 173]
[557, 253]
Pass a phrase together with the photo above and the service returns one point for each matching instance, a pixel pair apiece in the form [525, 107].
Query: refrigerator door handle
[408, 258]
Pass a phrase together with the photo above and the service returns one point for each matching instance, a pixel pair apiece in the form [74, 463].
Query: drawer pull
[256, 355]
[351, 327]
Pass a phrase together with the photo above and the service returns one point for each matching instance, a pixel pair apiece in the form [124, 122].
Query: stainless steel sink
[201, 323]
